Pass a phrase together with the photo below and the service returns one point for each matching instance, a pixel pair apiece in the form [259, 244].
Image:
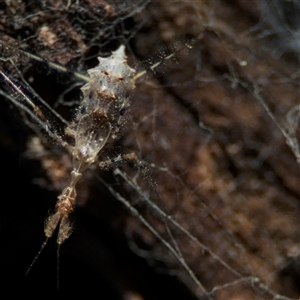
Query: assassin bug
[98, 121]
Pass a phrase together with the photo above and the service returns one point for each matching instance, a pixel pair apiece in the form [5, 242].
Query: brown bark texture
[212, 210]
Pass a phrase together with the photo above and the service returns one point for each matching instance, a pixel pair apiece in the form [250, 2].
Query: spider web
[214, 214]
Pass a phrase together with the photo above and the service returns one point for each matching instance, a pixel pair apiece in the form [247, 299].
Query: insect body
[99, 118]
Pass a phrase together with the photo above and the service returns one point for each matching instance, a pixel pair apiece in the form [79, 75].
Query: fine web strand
[43, 114]
[172, 250]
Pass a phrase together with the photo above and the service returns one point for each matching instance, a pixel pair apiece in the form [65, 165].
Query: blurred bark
[222, 167]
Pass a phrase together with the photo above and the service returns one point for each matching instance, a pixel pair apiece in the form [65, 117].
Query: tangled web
[212, 212]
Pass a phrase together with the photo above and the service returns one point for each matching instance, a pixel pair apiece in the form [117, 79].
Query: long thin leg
[37, 256]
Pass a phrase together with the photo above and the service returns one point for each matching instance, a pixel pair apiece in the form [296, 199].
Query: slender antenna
[56, 66]
[37, 256]
[7, 51]
[162, 60]
[137, 76]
